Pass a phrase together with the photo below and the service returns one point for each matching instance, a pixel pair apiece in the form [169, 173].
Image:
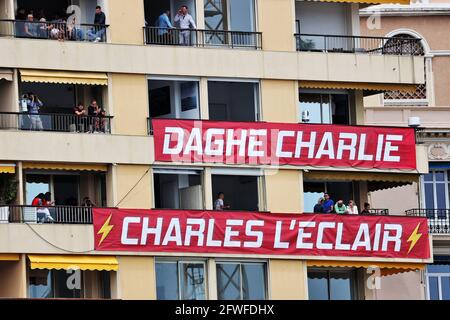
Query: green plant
[8, 188]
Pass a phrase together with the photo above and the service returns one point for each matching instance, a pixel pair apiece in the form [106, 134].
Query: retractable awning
[6, 74]
[7, 168]
[387, 268]
[9, 257]
[368, 88]
[65, 77]
[65, 166]
[375, 181]
[82, 262]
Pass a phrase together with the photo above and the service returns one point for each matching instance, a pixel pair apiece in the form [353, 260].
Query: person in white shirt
[352, 208]
[186, 22]
[219, 204]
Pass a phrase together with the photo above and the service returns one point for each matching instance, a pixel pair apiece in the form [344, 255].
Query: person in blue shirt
[163, 24]
[328, 204]
[34, 104]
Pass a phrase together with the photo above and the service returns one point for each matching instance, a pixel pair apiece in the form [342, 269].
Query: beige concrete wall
[279, 101]
[76, 148]
[441, 71]
[276, 21]
[283, 191]
[126, 20]
[130, 104]
[133, 187]
[13, 279]
[432, 28]
[434, 117]
[45, 238]
[288, 280]
[403, 286]
[397, 200]
[136, 278]
[208, 62]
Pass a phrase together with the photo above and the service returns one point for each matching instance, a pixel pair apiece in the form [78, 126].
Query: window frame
[240, 263]
[354, 281]
[439, 276]
[434, 183]
[179, 262]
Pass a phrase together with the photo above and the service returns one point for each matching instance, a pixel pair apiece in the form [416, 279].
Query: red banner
[262, 143]
[264, 234]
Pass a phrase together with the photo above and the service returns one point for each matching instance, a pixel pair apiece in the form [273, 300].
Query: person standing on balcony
[366, 209]
[80, 117]
[340, 207]
[352, 208]
[328, 204]
[219, 204]
[40, 201]
[98, 31]
[318, 208]
[34, 104]
[30, 27]
[163, 24]
[186, 22]
[96, 117]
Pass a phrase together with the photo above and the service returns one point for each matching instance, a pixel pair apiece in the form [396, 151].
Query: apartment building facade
[425, 20]
[279, 65]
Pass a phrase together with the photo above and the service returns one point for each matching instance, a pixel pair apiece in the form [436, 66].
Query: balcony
[59, 214]
[361, 45]
[52, 30]
[438, 219]
[55, 122]
[203, 38]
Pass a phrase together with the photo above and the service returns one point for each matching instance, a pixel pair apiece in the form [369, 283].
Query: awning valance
[368, 88]
[370, 1]
[64, 262]
[9, 257]
[6, 74]
[387, 268]
[65, 166]
[7, 168]
[65, 77]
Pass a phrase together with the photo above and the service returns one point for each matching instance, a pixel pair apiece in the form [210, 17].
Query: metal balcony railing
[55, 122]
[202, 38]
[354, 44]
[438, 219]
[377, 212]
[51, 214]
[59, 30]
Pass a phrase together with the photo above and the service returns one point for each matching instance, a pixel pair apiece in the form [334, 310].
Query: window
[233, 101]
[177, 99]
[436, 186]
[231, 15]
[337, 190]
[178, 189]
[180, 280]
[438, 281]
[241, 281]
[332, 284]
[240, 188]
[49, 284]
[324, 108]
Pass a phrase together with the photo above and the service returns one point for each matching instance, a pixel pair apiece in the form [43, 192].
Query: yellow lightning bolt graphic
[105, 229]
[414, 237]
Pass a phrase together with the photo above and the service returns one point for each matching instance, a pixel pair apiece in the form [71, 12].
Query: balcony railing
[202, 38]
[354, 44]
[55, 122]
[438, 219]
[378, 212]
[52, 30]
[58, 214]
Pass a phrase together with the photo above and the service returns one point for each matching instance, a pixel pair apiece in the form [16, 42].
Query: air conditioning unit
[414, 122]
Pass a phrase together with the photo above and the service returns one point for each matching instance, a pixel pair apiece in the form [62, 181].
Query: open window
[332, 284]
[326, 108]
[233, 101]
[178, 189]
[174, 99]
[313, 190]
[241, 188]
[154, 8]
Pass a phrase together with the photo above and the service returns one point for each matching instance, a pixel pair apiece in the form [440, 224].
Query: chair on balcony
[4, 214]
[30, 214]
